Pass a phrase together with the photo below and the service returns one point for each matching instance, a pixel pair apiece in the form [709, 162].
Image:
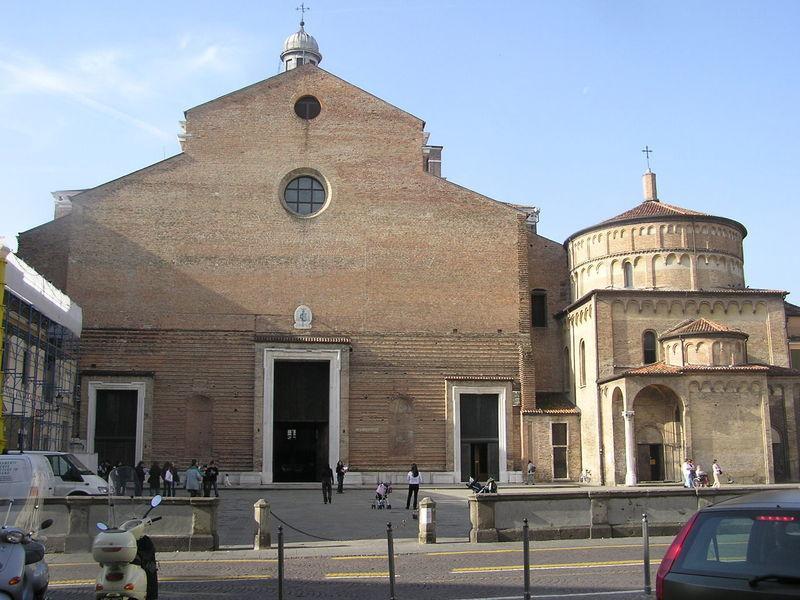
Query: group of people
[695, 476]
[413, 477]
[165, 478]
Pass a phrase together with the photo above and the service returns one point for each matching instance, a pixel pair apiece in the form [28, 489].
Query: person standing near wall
[169, 480]
[717, 471]
[414, 478]
[139, 479]
[327, 484]
[213, 475]
[193, 479]
[531, 472]
[340, 471]
[154, 479]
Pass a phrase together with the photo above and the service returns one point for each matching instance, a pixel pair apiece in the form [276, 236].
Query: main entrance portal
[301, 415]
[480, 443]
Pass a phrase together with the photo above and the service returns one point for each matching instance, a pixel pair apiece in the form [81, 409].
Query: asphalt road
[452, 571]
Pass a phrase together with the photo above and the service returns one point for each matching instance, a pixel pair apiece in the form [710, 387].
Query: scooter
[127, 557]
[23, 571]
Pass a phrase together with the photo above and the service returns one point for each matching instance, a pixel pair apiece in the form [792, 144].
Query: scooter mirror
[102, 526]
[46, 523]
[156, 500]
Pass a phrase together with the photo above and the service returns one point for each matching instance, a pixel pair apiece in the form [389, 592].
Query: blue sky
[535, 103]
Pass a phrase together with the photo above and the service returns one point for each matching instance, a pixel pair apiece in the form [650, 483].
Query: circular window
[304, 196]
[307, 107]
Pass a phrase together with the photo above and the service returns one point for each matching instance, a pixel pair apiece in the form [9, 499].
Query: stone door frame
[334, 359]
[502, 405]
[141, 390]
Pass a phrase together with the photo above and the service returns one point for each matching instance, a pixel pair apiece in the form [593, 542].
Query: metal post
[280, 562]
[526, 559]
[646, 549]
[390, 543]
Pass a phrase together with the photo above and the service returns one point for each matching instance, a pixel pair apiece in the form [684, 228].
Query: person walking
[717, 471]
[193, 479]
[327, 484]
[154, 478]
[138, 481]
[413, 478]
[169, 480]
[685, 470]
[176, 478]
[340, 471]
[213, 475]
[531, 472]
[206, 482]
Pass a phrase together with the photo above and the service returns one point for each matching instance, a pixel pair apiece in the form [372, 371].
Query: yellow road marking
[358, 575]
[581, 565]
[501, 551]
[200, 561]
[181, 578]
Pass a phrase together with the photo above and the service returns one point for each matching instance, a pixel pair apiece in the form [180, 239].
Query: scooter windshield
[21, 513]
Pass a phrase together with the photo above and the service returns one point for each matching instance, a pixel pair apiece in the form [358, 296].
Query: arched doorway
[658, 434]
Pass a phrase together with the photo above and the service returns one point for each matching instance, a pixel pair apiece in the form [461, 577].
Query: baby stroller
[489, 488]
[382, 495]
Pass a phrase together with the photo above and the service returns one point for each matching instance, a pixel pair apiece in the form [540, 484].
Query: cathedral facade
[300, 285]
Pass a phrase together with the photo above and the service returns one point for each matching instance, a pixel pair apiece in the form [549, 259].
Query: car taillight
[115, 576]
[673, 552]
[779, 518]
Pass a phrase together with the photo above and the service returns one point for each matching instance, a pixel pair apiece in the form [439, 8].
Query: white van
[52, 473]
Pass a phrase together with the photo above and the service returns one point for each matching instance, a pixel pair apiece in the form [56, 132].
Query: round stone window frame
[302, 97]
[304, 172]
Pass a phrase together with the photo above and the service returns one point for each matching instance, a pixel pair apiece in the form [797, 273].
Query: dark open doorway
[300, 425]
[650, 462]
[115, 426]
[480, 443]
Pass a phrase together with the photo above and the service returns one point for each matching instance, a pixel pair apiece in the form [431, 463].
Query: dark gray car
[748, 547]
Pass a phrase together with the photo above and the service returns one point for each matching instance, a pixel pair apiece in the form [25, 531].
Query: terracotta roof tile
[650, 208]
[699, 326]
[792, 310]
[553, 403]
[661, 368]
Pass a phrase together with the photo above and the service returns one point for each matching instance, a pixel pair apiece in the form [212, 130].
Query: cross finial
[302, 8]
[647, 152]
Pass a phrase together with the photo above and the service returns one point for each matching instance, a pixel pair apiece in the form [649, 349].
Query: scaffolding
[40, 395]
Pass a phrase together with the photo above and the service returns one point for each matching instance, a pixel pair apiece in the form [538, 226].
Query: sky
[537, 103]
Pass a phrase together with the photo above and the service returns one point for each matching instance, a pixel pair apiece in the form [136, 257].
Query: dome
[302, 41]
[299, 49]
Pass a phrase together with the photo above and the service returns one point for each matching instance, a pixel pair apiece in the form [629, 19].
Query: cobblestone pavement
[449, 571]
[349, 517]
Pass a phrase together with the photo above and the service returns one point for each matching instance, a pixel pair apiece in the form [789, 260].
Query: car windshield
[743, 544]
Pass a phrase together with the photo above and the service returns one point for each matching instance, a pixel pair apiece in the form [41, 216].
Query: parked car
[747, 547]
[50, 473]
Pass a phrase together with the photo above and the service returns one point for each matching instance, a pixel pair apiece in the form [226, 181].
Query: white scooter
[23, 571]
[127, 556]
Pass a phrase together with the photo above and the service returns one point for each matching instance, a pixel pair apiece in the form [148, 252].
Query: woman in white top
[414, 479]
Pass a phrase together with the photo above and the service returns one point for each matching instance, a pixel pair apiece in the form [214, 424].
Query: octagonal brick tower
[657, 246]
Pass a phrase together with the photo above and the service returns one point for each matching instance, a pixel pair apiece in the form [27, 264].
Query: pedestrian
[340, 471]
[414, 479]
[176, 478]
[327, 484]
[227, 481]
[213, 474]
[531, 472]
[169, 480]
[138, 482]
[154, 478]
[206, 482]
[717, 471]
[685, 468]
[193, 479]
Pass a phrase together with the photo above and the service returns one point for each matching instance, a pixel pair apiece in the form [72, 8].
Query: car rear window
[743, 544]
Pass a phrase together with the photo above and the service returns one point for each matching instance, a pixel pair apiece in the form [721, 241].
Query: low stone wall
[187, 524]
[589, 513]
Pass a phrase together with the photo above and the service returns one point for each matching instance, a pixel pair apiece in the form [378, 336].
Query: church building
[300, 285]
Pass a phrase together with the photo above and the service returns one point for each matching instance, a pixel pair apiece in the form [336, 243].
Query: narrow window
[627, 273]
[649, 347]
[539, 308]
[558, 433]
[582, 366]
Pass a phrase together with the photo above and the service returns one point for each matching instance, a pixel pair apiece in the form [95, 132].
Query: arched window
[627, 274]
[649, 347]
[582, 363]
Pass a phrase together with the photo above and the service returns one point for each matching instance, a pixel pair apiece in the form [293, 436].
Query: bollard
[646, 549]
[427, 521]
[526, 559]
[390, 543]
[263, 533]
[280, 562]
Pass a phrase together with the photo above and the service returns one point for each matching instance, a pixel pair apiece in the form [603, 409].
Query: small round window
[307, 107]
[304, 196]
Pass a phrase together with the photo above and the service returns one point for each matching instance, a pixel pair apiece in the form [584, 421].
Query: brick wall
[46, 248]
